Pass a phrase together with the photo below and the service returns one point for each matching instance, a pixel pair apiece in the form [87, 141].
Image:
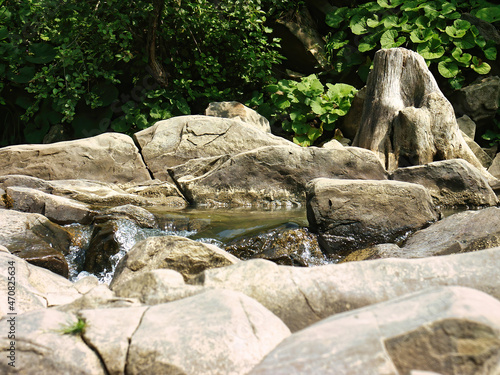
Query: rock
[479, 101]
[36, 239]
[449, 330]
[451, 183]
[157, 286]
[139, 215]
[276, 175]
[42, 348]
[384, 250]
[282, 245]
[99, 297]
[109, 157]
[109, 332]
[237, 111]
[26, 182]
[232, 335]
[352, 120]
[171, 252]
[57, 209]
[177, 140]
[494, 169]
[333, 144]
[302, 296]
[406, 118]
[103, 245]
[481, 154]
[164, 193]
[352, 214]
[85, 284]
[467, 126]
[459, 233]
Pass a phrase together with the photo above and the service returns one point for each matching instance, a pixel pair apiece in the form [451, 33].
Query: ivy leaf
[423, 22]
[448, 68]
[297, 116]
[490, 53]
[318, 106]
[338, 40]
[373, 22]
[432, 49]
[466, 42]
[491, 14]
[335, 18]
[388, 39]
[390, 21]
[462, 58]
[302, 140]
[389, 4]
[358, 24]
[369, 42]
[120, 124]
[314, 133]
[42, 53]
[183, 106]
[300, 127]
[141, 121]
[459, 29]
[480, 66]
[457, 82]
[421, 35]
[447, 8]
[281, 102]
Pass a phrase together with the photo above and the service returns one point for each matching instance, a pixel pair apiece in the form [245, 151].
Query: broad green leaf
[286, 125]
[448, 68]
[358, 24]
[271, 89]
[432, 49]
[300, 127]
[390, 21]
[421, 35]
[120, 125]
[491, 14]
[282, 102]
[388, 39]
[335, 18]
[422, 22]
[318, 107]
[466, 42]
[310, 85]
[459, 29]
[42, 53]
[183, 106]
[314, 133]
[141, 121]
[480, 66]
[26, 74]
[490, 53]
[4, 32]
[462, 58]
[297, 116]
[302, 140]
[447, 8]
[389, 3]
[365, 47]
[373, 22]
[457, 82]
[338, 91]
[430, 11]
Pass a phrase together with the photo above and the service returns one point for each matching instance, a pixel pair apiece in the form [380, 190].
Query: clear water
[212, 226]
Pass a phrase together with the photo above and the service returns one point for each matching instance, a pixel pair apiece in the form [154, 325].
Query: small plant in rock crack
[304, 108]
[74, 328]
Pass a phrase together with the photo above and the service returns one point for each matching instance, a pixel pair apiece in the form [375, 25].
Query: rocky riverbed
[207, 245]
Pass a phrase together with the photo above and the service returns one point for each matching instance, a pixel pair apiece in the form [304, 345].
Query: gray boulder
[303, 296]
[274, 176]
[59, 210]
[449, 330]
[171, 252]
[177, 140]
[217, 332]
[351, 214]
[453, 182]
[237, 111]
[36, 239]
[109, 157]
[458, 233]
[41, 347]
[480, 100]
[494, 168]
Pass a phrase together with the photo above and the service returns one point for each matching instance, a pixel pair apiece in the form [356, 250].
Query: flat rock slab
[217, 332]
[303, 296]
[352, 214]
[449, 330]
[177, 140]
[42, 347]
[453, 182]
[238, 111]
[109, 157]
[275, 175]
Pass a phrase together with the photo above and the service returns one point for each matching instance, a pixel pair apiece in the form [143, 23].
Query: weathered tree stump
[406, 118]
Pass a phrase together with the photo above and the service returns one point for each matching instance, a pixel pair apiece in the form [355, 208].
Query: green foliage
[432, 28]
[86, 64]
[74, 328]
[304, 108]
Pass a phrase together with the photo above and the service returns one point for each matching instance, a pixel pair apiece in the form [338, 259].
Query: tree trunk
[406, 118]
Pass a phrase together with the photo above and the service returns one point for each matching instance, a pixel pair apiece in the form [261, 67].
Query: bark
[406, 118]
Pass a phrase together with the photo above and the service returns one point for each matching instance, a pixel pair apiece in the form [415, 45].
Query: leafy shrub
[432, 28]
[304, 108]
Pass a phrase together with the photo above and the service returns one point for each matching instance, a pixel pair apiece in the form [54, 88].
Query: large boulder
[177, 140]
[171, 252]
[458, 233]
[451, 183]
[41, 346]
[275, 175]
[448, 330]
[351, 214]
[480, 100]
[217, 332]
[59, 210]
[35, 287]
[302, 296]
[35, 238]
[109, 157]
[237, 111]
